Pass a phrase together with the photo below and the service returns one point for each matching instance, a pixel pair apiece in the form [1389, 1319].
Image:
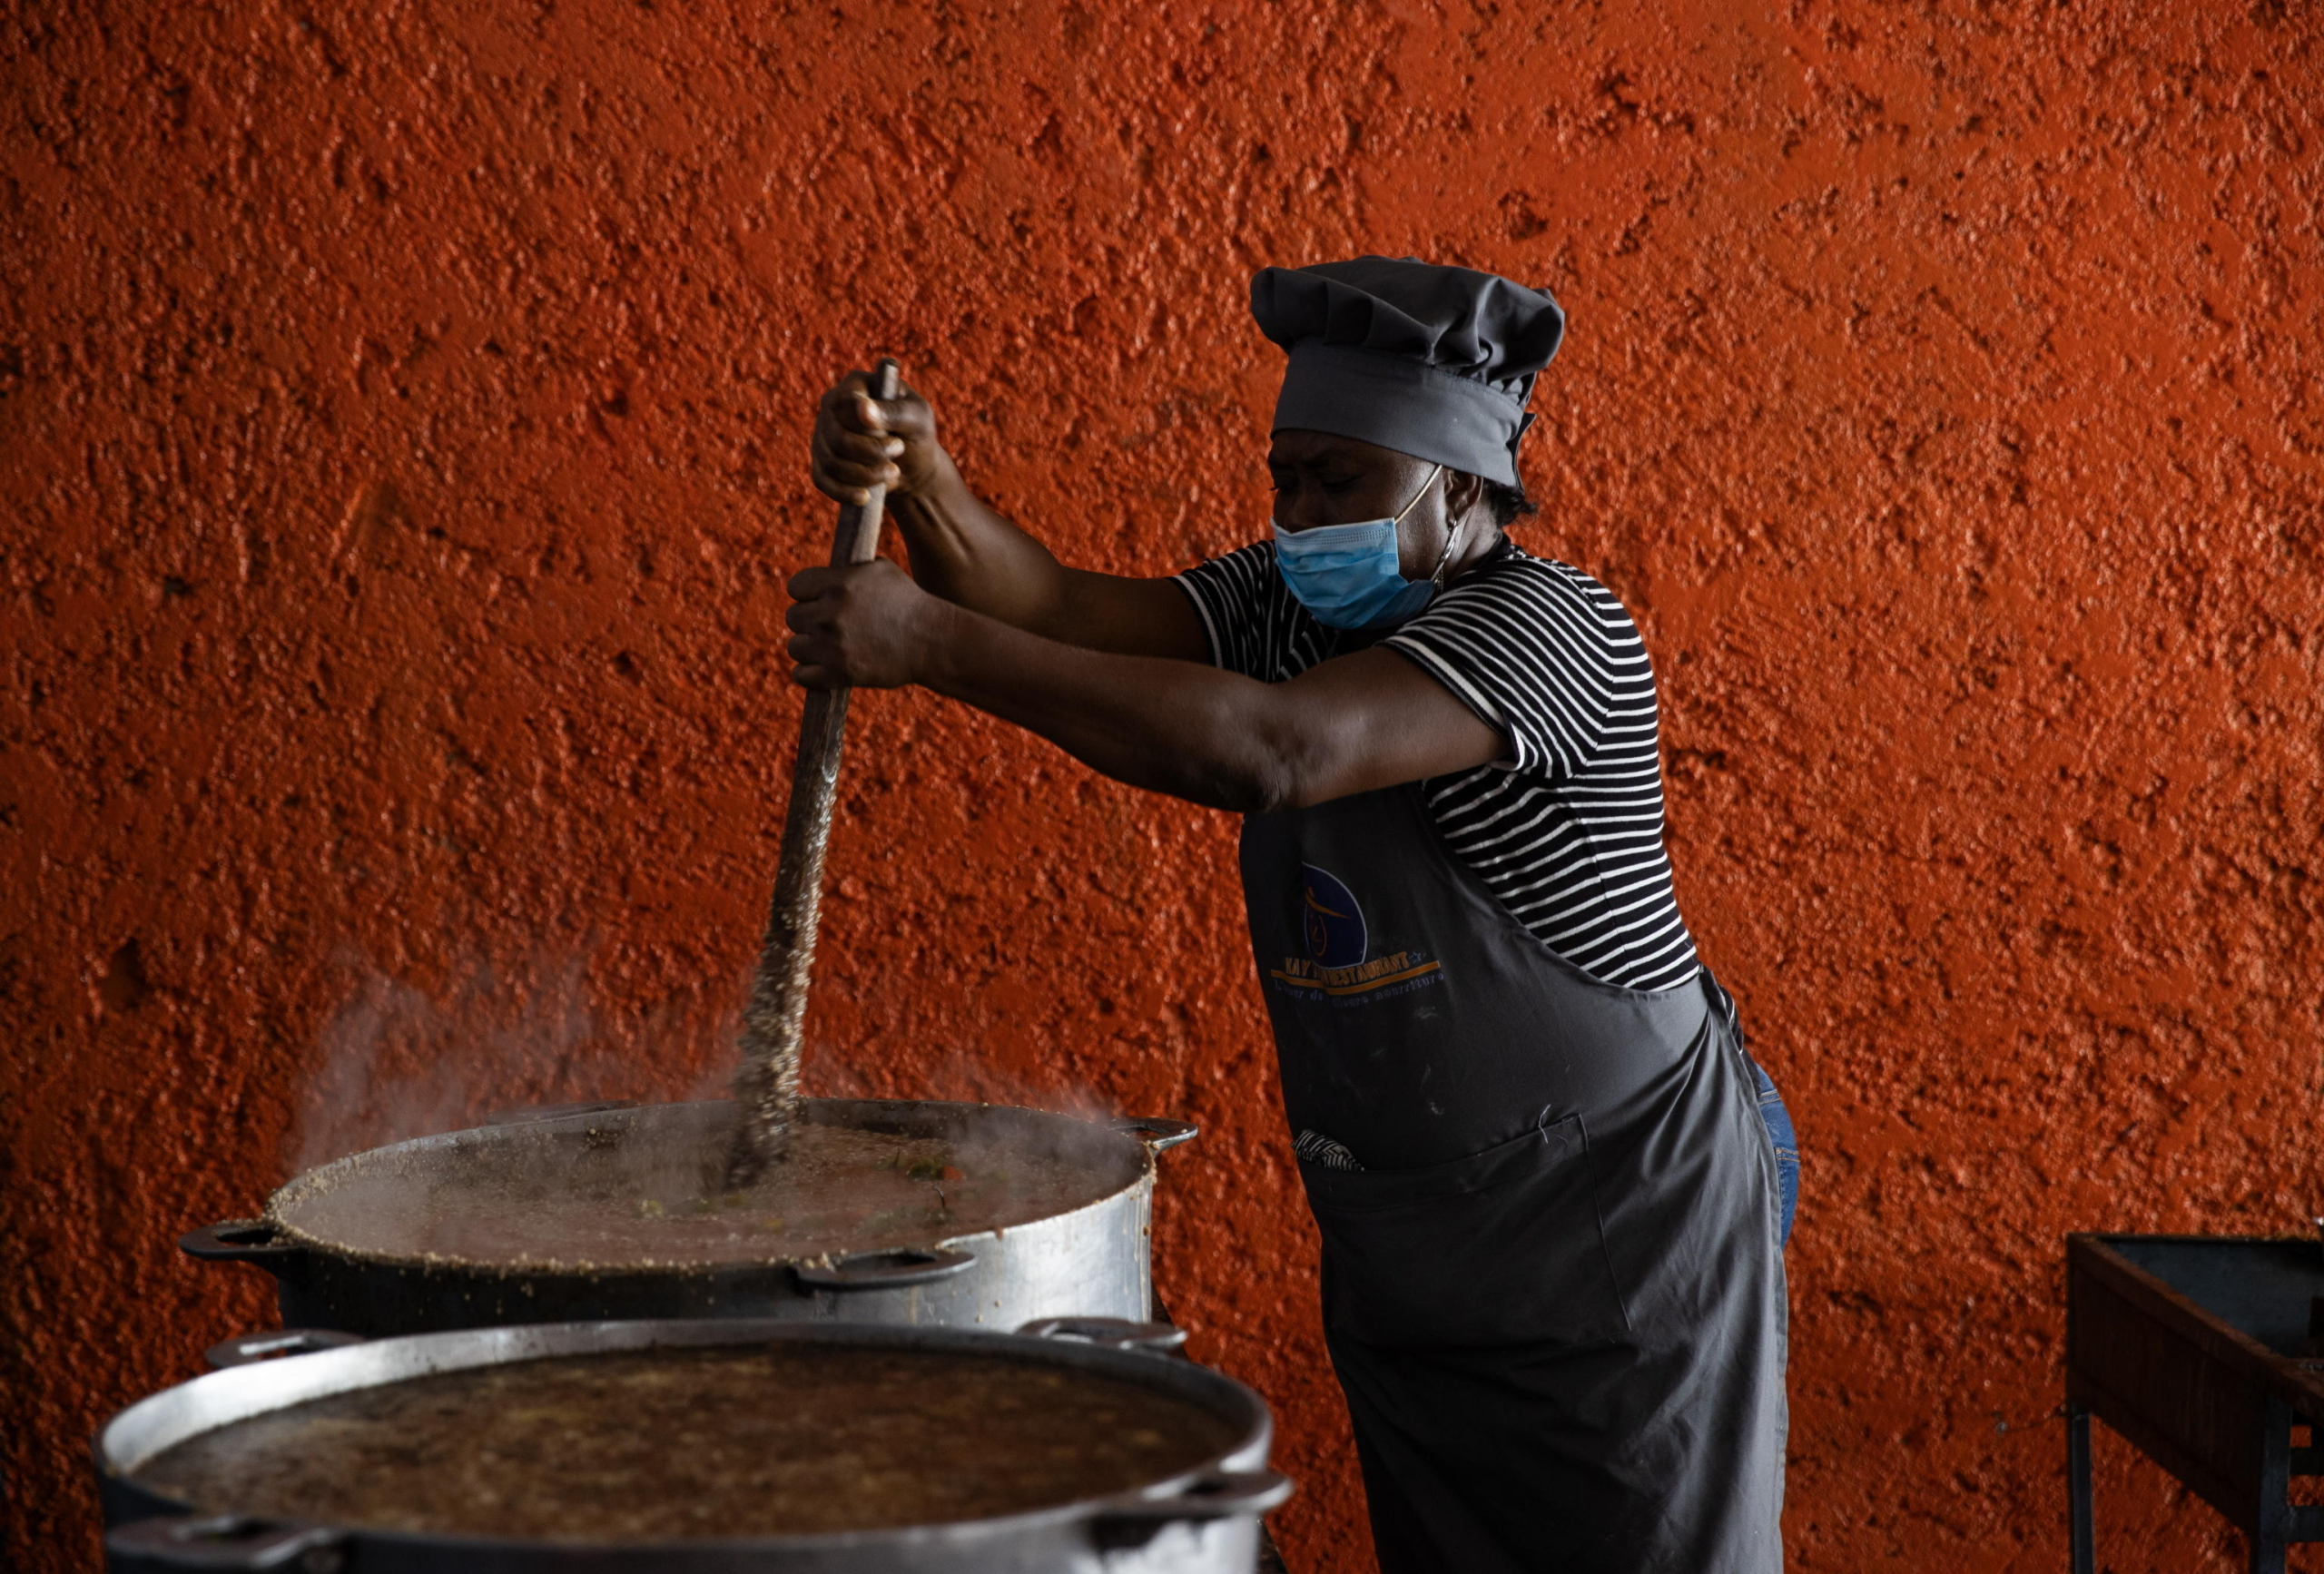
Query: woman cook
[1552, 1209]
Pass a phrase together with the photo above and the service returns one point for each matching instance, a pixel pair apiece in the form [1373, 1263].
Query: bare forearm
[1211, 737]
[964, 551]
[1360, 722]
[968, 552]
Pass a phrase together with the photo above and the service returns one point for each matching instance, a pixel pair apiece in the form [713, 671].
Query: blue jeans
[1777, 1120]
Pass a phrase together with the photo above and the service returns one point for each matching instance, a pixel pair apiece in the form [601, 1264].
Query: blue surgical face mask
[1351, 575]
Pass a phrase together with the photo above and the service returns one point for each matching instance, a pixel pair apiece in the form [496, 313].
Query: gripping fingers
[865, 460]
[808, 619]
[809, 583]
[814, 662]
[861, 442]
[864, 448]
[907, 417]
[845, 479]
[846, 462]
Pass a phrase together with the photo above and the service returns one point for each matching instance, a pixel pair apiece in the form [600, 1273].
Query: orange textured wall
[402, 410]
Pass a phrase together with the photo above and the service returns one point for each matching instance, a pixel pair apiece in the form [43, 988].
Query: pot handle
[1212, 1495]
[524, 1117]
[238, 1241]
[1113, 1332]
[222, 1541]
[252, 1348]
[1158, 1131]
[893, 1270]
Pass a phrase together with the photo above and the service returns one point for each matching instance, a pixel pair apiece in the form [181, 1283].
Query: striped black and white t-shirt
[1566, 831]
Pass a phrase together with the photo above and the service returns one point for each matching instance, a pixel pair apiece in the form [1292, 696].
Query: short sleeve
[1232, 595]
[1541, 653]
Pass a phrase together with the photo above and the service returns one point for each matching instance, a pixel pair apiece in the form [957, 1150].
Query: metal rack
[2203, 1351]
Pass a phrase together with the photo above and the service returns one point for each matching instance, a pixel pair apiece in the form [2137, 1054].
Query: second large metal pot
[1203, 1521]
[1092, 1260]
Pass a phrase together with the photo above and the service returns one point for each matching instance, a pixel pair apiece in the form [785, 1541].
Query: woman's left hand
[867, 626]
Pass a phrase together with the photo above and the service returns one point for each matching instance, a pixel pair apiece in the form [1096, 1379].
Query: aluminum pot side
[1094, 1260]
[1203, 1521]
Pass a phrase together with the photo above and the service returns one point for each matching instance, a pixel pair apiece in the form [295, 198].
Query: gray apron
[1553, 1290]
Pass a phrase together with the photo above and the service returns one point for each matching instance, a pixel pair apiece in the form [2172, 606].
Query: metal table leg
[2078, 1534]
[2271, 1523]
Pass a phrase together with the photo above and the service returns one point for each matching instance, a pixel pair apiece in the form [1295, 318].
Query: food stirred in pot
[768, 1439]
[610, 1195]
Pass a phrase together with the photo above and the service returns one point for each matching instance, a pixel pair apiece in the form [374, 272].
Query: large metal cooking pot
[1203, 1521]
[1091, 1260]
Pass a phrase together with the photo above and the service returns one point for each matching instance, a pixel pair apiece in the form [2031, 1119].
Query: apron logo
[1339, 964]
[1332, 920]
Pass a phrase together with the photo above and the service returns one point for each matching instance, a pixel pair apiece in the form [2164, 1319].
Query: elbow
[1253, 793]
[1279, 768]
[1238, 786]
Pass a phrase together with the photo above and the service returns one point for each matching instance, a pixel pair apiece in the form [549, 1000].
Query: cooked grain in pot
[778, 1438]
[614, 1199]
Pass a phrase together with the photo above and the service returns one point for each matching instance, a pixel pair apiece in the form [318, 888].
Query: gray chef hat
[1432, 362]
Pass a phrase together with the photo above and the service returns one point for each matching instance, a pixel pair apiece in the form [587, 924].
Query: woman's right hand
[862, 442]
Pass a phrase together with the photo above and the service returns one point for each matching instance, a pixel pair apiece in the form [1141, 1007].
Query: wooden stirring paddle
[767, 1084]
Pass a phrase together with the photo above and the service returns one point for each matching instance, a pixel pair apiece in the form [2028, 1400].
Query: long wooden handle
[766, 1083]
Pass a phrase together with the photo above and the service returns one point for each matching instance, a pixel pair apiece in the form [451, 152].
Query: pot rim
[292, 1235]
[315, 1374]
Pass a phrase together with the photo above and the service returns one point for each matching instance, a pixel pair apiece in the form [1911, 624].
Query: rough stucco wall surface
[402, 411]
